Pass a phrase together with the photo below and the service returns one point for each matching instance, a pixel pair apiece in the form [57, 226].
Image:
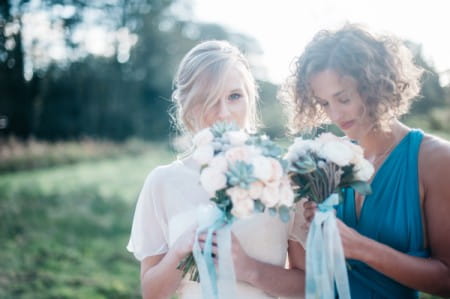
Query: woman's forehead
[330, 83]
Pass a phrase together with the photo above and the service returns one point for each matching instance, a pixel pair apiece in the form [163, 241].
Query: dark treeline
[115, 97]
[99, 96]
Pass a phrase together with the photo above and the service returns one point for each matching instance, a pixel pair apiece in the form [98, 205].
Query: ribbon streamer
[214, 286]
[325, 261]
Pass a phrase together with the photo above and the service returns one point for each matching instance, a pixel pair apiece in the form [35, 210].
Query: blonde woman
[213, 83]
[396, 239]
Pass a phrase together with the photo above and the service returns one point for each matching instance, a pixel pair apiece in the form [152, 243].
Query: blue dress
[390, 215]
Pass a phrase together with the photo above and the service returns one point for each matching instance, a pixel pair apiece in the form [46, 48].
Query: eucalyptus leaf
[283, 212]
[361, 187]
[272, 211]
[259, 206]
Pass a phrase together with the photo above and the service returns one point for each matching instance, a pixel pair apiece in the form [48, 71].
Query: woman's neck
[378, 144]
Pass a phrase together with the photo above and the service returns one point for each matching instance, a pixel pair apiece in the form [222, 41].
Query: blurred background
[84, 92]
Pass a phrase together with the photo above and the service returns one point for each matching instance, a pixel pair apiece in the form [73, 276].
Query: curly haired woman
[397, 239]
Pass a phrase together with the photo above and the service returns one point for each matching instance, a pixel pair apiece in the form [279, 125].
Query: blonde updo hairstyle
[199, 81]
[387, 79]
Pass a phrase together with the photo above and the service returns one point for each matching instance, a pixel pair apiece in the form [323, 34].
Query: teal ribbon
[215, 286]
[325, 261]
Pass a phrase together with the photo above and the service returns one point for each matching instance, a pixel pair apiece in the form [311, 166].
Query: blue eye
[234, 96]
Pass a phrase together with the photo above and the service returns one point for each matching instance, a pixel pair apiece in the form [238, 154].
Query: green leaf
[283, 212]
[272, 211]
[259, 206]
[361, 187]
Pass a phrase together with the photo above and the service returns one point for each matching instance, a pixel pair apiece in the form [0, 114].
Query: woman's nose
[224, 111]
[335, 114]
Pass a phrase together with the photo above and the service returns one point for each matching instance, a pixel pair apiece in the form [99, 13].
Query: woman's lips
[346, 125]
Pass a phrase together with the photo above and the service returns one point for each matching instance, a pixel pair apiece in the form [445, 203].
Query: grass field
[64, 229]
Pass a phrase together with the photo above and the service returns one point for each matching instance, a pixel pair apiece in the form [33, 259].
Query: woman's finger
[309, 204]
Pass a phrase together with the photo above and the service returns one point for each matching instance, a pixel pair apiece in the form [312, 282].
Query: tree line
[125, 93]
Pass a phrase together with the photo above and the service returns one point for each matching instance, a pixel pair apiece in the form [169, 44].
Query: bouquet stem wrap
[325, 261]
[213, 220]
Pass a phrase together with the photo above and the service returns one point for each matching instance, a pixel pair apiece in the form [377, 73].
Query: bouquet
[319, 169]
[242, 174]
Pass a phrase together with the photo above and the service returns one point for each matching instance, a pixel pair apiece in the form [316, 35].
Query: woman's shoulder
[434, 150]
[434, 160]
[163, 172]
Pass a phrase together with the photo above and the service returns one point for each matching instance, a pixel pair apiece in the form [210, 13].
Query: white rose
[336, 152]
[237, 194]
[364, 170]
[328, 137]
[219, 163]
[203, 137]
[286, 193]
[203, 154]
[357, 150]
[212, 180]
[261, 168]
[236, 138]
[243, 208]
[300, 147]
[255, 190]
[270, 196]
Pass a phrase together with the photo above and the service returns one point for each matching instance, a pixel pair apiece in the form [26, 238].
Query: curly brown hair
[387, 79]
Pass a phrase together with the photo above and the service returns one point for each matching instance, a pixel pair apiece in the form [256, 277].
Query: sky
[284, 27]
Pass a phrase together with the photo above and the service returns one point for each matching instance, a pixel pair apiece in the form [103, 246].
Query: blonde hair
[387, 79]
[199, 80]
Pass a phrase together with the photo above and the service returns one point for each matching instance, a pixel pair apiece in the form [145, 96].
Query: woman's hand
[243, 265]
[242, 262]
[351, 240]
[183, 245]
[309, 211]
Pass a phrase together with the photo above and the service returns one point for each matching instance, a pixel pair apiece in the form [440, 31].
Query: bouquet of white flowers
[325, 165]
[319, 170]
[243, 174]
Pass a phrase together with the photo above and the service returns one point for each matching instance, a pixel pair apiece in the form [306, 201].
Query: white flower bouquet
[323, 166]
[320, 169]
[243, 174]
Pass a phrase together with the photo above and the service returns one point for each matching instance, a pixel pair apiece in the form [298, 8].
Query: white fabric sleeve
[149, 230]
[298, 230]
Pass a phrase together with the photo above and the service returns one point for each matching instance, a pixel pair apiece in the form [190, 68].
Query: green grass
[64, 229]
[17, 155]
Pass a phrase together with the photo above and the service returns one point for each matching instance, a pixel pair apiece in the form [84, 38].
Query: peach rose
[255, 190]
[239, 153]
[276, 172]
[243, 208]
[270, 196]
[286, 194]
[237, 194]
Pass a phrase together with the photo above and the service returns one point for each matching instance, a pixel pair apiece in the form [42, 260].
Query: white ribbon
[325, 261]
